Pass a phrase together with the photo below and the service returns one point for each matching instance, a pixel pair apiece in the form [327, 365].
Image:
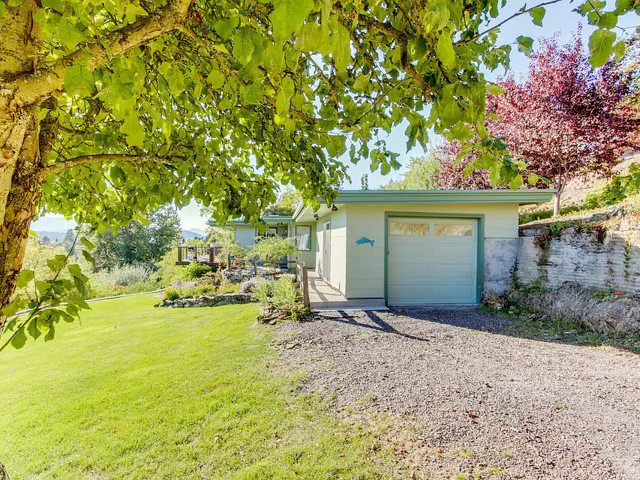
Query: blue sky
[559, 19]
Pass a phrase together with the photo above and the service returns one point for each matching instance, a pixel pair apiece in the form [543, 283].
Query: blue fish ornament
[364, 241]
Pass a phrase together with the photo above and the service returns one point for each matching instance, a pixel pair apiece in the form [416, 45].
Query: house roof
[271, 220]
[360, 197]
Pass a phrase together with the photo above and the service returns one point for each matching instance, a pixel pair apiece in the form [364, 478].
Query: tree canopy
[111, 109]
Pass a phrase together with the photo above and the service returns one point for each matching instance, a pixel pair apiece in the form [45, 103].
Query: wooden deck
[206, 254]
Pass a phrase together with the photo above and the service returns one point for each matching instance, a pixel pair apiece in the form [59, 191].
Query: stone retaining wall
[609, 262]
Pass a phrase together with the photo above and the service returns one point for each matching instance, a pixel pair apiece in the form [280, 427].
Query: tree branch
[105, 158]
[517, 14]
[32, 88]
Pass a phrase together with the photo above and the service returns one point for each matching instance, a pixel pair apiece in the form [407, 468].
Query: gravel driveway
[478, 403]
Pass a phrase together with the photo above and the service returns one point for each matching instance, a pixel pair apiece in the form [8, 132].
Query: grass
[139, 392]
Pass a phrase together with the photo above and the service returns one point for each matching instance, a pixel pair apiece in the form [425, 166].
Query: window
[454, 229]
[303, 238]
[400, 228]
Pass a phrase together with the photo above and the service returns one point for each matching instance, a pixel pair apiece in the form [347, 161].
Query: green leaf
[133, 130]
[242, 45]
[87, 243]
[33, 329]
[19, 339]
[225, 28]
[525, 44]
[78, 80]
[601, 46]
[533, 179]
[445, 51]
[2, 9]
[88, 257]
[537, 14]
[341, 47]
[12, 308]
[252, 94]
[608, 20]
[516, 183]
[74, 270]
[24, 277]
[67, 34]
[494, 89]
[361, 83]
[216, 79]
[50, 334]
[288, 16]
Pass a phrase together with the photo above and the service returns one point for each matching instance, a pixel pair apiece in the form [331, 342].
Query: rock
[208, 301]
[571, 332]
[249, 285]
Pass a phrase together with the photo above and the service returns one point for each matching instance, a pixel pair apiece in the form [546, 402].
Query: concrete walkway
[324, 297]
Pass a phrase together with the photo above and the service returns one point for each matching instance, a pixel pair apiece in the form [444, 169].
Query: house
[409, 247]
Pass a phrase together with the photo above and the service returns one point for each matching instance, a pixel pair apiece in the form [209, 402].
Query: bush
[263, 291]
[168, 272]
[284, 291]
[207, 290]
[171, 293]
[277, 292]
[299, 313]
[196, 270]
[211, 278]
[228, 287]
[124, 275]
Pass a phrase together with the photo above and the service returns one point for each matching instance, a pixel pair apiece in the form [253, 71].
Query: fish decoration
[364, 241]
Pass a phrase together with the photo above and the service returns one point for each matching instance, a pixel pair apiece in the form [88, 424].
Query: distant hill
[193, 233]
[53, 236]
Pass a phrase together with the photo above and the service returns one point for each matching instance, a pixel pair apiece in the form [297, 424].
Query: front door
[326, 251]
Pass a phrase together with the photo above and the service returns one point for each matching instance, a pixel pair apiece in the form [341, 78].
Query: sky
[559, 19]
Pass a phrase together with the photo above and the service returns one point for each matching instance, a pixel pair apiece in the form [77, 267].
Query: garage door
[431, 260]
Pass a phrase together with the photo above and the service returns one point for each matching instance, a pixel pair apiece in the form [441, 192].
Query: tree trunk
[556, 197]
[20, 181]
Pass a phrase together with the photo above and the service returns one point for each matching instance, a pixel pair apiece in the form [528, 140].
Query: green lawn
[140, 392]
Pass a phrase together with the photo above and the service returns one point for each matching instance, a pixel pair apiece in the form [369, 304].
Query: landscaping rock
[249, 285]
[207, 301]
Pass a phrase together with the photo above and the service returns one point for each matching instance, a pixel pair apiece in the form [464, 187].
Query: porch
[323, 296]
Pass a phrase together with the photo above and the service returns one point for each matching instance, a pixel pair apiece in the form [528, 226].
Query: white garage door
[431, 260]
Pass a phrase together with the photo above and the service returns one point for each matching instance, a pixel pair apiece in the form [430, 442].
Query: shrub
[168, 272]
[206, 289]
[123, 275]
[228, 287]
[196, 270]
[299, 313]
[263, 291]
[284, 291]
[171, 293]
[211, 278]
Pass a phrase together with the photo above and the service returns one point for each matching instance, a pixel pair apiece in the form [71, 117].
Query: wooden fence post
[179, 253]
[305, 283]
